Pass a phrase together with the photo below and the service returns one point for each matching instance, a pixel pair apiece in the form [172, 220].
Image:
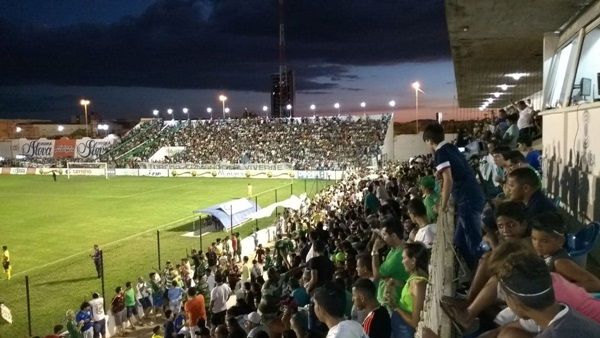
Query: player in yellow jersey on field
[6, 261]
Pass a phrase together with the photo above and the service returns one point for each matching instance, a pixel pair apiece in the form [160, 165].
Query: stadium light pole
[85, 103]
[265, 109]
[209, 111]
[226, 111]
[223, 98]
[312, 109]
[289, 109]
[417, 87]
[170, 112]
[337, 106]
[155, 112]
[185, 111]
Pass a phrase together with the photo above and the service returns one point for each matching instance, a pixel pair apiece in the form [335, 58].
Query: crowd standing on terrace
[305, 143]
[354, 261]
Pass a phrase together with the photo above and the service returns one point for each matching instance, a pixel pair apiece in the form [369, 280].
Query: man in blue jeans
[459, 179]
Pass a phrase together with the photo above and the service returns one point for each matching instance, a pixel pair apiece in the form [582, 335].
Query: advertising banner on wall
[64, 148]
[40, 148]
[88, 148]
[154, 172]
[85, 148]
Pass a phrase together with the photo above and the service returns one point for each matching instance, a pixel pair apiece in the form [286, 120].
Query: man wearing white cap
[253, 324]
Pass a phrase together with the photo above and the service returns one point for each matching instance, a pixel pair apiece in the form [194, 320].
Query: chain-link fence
[39, 299]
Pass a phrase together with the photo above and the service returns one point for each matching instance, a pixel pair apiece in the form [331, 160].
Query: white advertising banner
[18, 171]
[154, 172]
[88, 148]
[41, 148]
[84, 172]
[127, 172]
[48, 171]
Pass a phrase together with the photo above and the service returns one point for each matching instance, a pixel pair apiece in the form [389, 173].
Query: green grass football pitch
[50, 228]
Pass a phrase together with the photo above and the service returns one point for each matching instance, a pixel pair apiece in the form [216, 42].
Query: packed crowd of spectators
[353, 262]
[333, 143]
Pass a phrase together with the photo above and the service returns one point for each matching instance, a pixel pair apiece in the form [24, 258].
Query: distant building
[283, 93]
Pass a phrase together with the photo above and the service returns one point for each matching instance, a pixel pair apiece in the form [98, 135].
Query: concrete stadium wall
[570, 154]
[410, 145]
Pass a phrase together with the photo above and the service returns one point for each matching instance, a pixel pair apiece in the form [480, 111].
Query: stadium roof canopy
[490, 39]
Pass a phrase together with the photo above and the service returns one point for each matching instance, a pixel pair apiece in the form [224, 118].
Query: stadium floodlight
[227, 110]
[85, 103]
[392, 103]
[19, 129]
[265, 108]
[60, 128]
[288, 107]
[313, 107]
[363, 104]
[337, 106]
[155, 112]
[185, 110]
[223, 98]
[209, 111]
[170, 111]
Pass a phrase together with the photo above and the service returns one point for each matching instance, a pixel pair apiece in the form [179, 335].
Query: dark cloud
[218, 44]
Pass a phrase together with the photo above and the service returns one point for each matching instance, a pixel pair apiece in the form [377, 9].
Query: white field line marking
[113, 242]
[153, 190]
[105, 245]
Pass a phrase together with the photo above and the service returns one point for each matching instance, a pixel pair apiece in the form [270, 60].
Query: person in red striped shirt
[377, 323]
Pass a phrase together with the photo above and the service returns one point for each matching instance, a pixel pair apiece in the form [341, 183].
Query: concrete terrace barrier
[441, 279]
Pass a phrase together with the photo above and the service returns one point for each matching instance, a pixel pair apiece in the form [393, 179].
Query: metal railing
[441, 279]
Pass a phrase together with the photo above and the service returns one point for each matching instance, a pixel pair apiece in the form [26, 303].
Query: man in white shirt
[525, 122]
[143, 295]
[98, 316]
[329, 306]
[218, 300]
[418, 214]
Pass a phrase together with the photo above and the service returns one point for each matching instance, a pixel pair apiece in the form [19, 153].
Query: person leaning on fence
[84, 320]
[117, 307]
[459, 180]
[98, 316]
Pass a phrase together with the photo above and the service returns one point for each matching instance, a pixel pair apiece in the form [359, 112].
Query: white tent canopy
[293, 202]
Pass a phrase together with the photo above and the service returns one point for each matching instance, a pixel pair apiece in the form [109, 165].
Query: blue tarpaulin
[234, 211]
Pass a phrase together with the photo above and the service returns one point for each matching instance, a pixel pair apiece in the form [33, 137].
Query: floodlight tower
[283, 78]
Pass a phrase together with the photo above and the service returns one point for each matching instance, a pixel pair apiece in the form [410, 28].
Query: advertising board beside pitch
[154, 172]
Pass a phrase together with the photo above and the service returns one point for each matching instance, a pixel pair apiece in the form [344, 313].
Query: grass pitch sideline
[50, 228]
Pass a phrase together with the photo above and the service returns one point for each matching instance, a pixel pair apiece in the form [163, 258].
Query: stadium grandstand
[303, 143]
[490, 233]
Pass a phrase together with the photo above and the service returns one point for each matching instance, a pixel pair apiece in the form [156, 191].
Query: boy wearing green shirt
[430, 197]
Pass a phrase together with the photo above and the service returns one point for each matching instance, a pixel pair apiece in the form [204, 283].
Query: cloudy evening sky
[132, 56]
